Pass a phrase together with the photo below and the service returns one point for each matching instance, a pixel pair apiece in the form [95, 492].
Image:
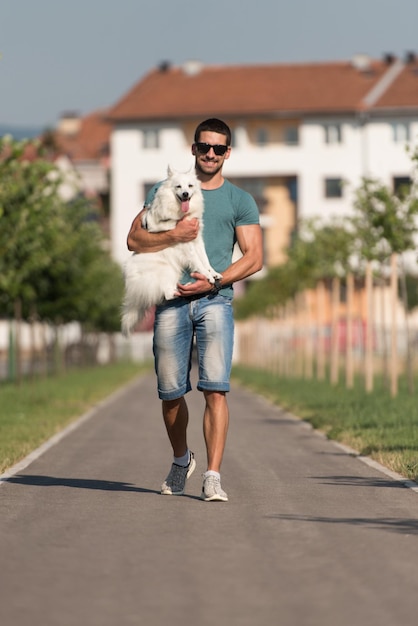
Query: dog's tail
[130, 318]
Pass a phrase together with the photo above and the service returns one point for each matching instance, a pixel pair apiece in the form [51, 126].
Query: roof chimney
[410, 57]
[164, 66]
[361, 62]
[192, 67]
[69, 123]
[389, 58]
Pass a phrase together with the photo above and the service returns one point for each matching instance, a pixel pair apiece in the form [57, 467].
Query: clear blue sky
[80, 55]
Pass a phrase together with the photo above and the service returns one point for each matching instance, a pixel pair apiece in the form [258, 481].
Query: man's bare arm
[140, 240]
[250, 242]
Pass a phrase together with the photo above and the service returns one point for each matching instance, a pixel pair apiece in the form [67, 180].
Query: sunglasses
[218, 149]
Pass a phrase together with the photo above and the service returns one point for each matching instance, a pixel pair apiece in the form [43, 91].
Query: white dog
[151, 277]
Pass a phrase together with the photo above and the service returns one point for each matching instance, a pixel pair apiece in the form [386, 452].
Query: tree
[386, 226]
[321, 250]
[52, 254]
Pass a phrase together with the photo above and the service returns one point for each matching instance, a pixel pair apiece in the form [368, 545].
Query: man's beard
[213, 171]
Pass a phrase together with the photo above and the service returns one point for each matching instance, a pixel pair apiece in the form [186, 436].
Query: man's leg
[214, 336]
[173, 335]
[176, 419]
[215, 427]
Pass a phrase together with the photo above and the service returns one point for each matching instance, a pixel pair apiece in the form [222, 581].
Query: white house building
[304, 135]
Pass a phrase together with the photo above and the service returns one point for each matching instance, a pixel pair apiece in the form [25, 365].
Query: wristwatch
[216, 286]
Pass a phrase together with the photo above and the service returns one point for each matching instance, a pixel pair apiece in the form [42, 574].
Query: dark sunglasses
[204, 148]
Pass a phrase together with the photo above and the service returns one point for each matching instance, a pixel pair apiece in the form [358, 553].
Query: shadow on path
[76, 483]
[393, 524]
[83, 483]
[360, 481]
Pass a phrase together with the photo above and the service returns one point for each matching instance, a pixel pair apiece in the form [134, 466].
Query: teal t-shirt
[225, 208]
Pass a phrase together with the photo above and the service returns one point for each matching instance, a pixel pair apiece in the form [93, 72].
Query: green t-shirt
[225, 208]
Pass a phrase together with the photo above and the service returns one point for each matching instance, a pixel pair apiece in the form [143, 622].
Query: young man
[203, 310]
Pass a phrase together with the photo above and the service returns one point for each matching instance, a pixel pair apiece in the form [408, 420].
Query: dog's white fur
[151, 277]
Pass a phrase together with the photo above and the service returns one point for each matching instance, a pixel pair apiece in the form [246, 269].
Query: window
[146, 188]
[333, 133]
[401, 185]
[150, 138]
[262, 137]
[333, 188]
[400, 132]
[291, 135]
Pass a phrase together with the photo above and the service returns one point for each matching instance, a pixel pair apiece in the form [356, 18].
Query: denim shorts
[177, 322]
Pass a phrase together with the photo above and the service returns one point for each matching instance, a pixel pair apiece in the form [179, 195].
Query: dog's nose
[185, 195]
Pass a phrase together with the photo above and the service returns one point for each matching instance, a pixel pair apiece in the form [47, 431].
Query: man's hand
[186, 230]
[201, 285]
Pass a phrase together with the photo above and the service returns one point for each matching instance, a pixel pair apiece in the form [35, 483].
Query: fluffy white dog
[151, 277]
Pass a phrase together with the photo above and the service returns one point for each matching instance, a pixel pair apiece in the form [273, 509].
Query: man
[202, 309]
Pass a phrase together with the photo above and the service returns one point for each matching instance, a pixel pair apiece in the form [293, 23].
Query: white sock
[183, 460]
[212, 473]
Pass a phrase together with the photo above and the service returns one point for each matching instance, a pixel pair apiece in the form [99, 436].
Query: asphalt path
[311, 536]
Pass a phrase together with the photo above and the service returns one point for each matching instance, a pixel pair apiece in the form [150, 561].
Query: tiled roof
[90, 142]
[316, 88]
[403, 92]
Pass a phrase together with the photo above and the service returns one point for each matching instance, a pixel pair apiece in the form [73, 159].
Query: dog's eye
[190, 186]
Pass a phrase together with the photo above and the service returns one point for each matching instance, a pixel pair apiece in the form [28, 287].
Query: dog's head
[183, 185]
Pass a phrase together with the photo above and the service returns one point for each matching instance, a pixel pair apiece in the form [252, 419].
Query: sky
[81, 55]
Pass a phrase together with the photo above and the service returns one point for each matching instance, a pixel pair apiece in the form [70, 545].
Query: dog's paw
[214, 276]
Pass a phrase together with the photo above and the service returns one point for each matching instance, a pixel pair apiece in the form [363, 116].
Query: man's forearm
[140, 240]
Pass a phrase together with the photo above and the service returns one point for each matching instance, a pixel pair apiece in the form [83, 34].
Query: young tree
[386, 225]
[52, 253]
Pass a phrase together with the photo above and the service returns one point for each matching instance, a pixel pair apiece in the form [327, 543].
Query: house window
[333, 133]
[262, 137]
[401, 185]
[146, 188]
[150, 139]
[333, 188]
[400, 132]
[291, 135]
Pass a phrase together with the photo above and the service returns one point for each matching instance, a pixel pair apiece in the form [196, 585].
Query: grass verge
[34, 411]
[374, 424]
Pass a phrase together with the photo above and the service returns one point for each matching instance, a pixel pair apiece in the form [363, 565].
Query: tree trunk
[349, 371]
[394, 328]
[320, 297]
[335, 331]
[404, 293]
[369, 328]
[18, 340]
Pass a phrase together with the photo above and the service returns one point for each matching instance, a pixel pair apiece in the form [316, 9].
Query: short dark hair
[215, 126]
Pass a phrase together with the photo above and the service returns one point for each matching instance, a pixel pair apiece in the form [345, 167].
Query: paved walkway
[310, 537]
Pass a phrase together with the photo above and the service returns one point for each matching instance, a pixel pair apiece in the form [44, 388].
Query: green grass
[32, 412]
[374, 424]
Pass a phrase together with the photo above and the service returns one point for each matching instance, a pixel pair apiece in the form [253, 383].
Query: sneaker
[212, 490]
[176, 480]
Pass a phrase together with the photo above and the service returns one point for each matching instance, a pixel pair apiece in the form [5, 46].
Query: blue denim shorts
[177, 322]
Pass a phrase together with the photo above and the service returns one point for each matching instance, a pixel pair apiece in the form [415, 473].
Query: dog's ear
[169, 171]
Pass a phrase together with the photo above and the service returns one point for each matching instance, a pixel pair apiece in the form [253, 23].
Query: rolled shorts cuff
[175, 393]
[204, 385]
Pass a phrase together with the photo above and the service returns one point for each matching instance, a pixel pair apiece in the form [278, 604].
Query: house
[304, 135]
[84, 142]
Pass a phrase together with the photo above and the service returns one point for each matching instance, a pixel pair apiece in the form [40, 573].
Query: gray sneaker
[176, 480]
[212, 490]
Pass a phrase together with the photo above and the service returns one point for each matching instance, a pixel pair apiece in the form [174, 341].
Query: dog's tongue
[185, 206]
